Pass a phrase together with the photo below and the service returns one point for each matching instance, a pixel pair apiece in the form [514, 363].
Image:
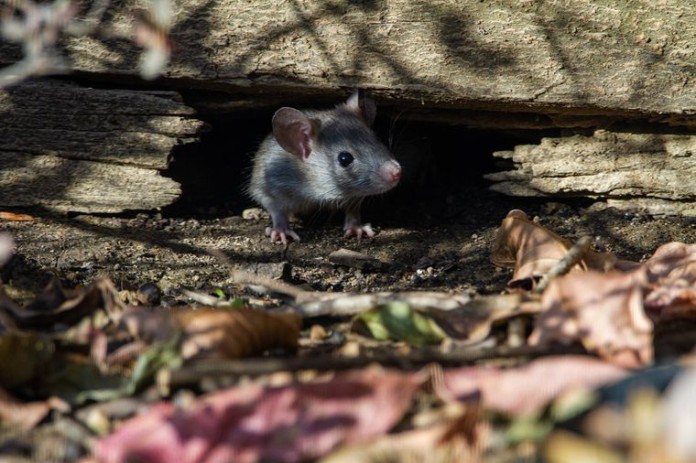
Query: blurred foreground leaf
[400, 322]
[23, 357]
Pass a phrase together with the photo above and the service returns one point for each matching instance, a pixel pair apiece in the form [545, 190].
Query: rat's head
[344, 158]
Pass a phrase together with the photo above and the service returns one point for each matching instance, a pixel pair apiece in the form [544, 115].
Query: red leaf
[525, 390]
[253, 423]
[603, 311]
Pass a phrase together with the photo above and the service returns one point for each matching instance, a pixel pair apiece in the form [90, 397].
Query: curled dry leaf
[216, 332]
[254, 423]
[603, 311]
[236, 333]
[532, 250]
[526, 390]
[57, 307]
[26, 415]
[671, 275]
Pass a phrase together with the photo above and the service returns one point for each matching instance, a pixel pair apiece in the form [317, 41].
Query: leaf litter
[453, 388]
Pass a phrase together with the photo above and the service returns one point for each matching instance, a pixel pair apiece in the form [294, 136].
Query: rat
[316, 158]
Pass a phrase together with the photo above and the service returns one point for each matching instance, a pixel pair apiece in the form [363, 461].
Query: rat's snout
[391, 171]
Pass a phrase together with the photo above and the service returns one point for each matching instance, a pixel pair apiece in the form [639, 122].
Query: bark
[70, 148]
[649, 171]
[554, 56]
[505, 53]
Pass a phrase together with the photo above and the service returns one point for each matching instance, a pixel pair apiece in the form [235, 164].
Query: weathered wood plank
[67, 185]
[71, 148]
[554, 56]
[648, 171]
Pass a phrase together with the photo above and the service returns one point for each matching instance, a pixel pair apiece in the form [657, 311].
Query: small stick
[247, 278]
[194, 372]
[571, 259]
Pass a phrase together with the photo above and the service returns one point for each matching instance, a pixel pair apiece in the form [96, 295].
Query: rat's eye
[345, 158]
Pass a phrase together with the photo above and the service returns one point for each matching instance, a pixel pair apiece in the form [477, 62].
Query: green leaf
[162, 355]
[400, 322]
[219, 293]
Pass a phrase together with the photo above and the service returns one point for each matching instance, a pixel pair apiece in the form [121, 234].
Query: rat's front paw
[359, 231]
[281, 234]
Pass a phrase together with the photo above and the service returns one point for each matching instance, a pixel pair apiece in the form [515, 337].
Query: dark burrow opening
[443, 167]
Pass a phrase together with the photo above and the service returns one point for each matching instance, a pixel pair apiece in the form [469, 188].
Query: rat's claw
[360, 231]
[281, 234]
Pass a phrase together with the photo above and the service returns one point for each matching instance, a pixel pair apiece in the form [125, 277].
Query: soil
[434, 237]
[439, 241]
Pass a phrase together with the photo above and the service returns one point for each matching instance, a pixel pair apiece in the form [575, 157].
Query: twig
[571, 259]
[247, 278]
[257, 367]
[347, 304]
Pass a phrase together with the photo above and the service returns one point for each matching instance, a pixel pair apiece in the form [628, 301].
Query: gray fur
[286, 183]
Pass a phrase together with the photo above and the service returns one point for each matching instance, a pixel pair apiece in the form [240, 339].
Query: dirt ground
[437, 241]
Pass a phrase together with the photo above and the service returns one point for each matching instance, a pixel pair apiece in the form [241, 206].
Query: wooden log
[553, 56]
[70, 148]
[68, 185]
[647, 171]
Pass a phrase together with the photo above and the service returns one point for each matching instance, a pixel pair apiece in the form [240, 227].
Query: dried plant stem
[193, 373]
[574, 255]
[247, 278]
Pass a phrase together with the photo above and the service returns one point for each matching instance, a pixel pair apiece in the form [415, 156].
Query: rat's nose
[391, 171]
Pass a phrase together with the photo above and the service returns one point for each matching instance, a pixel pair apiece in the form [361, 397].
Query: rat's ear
[293, 131]
[362, 106]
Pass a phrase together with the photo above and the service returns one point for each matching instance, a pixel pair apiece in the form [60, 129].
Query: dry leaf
[671, 272]
[473, 321]
[57, 307]
[672, 264]
[236, 333]
[602, 311]
[526, 390]
[254, 423]
[26, 415]
[216, 332]
[532, 250]
[14, 217]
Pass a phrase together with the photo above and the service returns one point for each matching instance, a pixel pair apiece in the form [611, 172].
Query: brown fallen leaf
[216, 332]
[14, 217]
[236, 333]
[526, 390]
[532, 250]
[57, 307]
[26, 415]
[252, 423]
[473, 322]
[604, 311]
[671, 273]
[672, 264]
